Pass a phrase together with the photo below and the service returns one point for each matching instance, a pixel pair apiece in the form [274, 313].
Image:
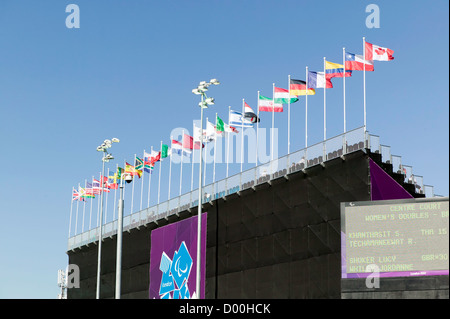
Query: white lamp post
[205, 101]
[105, 158]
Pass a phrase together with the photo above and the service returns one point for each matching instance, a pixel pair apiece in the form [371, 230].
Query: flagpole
[242, 139]
[142, 181]
[345, 73]
[70, 216]
[273, 118]
[181, 164]
[289, 113]
[193, 158]
[170, 168]
[84, 206]
[106, 204]
[115, 192]
[215, 151]
[90, 213]
[306, 109]
[160, 169]
[228, 138]
[98, 205]
[150, 177]
[132, 191]
[325, 100]
[257, 131]
[206, 149]
[364, 83]
[76, 216]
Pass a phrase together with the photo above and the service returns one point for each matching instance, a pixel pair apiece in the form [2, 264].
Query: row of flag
[246, 118]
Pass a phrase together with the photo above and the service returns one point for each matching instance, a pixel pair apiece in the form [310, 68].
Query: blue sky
[128, 72]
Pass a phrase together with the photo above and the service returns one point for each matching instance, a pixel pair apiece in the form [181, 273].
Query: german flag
[298, 87]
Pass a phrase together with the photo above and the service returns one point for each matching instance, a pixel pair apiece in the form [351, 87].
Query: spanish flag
[298, 87]
[132, 170]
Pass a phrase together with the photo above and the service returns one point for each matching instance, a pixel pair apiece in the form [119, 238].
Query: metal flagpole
[206, 152]
[215, 151]
[115, 192]
[70, 216]
[228, 138]
[345, 73]
[170, 168]
[364, 83]
[324, 100]
[90, 213]
[181, 164]
[160, 169]
[84, 207]
[273, 119]
[106, 205]
[142, 181]
[193, 158]
[76, 215]
[242, 139]
[132, 190]
[306, 109]
[150, 178]
[289, 114]
[257, 129]
[98, 206]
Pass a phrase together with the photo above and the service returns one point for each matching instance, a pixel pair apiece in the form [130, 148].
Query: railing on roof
[316, 154]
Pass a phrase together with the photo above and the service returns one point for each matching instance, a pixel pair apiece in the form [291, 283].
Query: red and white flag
[377, 53]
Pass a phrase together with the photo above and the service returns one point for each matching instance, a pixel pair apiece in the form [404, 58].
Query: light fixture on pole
[204, 103]
[128, 178]
[105, 158]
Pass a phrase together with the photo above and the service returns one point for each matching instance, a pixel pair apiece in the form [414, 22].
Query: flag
[177, 148]
[112, 181]
[139, 164]
[210, 132]
[335, 70]
[282, 96]
[249, 114]
[148, 165]
[132, 170]
[120, 172]
[356, 62]
[75, 194]
[230, 129]
[316, 80]
[189, 144]
[377, 53]
[236, 119]
[96, 184]
[220, 127]
[84, 193]
[298, 87]
[164, 151]
[266, 105]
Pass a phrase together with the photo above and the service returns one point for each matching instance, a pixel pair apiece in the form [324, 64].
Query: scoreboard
[395, 238]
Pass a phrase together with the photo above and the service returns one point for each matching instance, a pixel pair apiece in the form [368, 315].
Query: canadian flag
[377, 53]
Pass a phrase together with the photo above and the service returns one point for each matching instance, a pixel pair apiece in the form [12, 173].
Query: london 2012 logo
[175, 274]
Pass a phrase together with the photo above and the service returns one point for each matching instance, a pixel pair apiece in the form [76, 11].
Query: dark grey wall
[278, 241]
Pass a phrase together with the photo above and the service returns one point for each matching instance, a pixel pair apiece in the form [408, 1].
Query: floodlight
[115, 140]
[214, 81]
[196, 91]
[209, 101]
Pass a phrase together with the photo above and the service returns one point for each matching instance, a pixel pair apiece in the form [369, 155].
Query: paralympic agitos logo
[175, 274]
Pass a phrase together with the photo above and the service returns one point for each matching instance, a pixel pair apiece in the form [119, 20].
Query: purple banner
[173, 260]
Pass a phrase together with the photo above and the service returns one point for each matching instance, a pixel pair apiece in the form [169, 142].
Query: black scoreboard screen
[395, 238]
